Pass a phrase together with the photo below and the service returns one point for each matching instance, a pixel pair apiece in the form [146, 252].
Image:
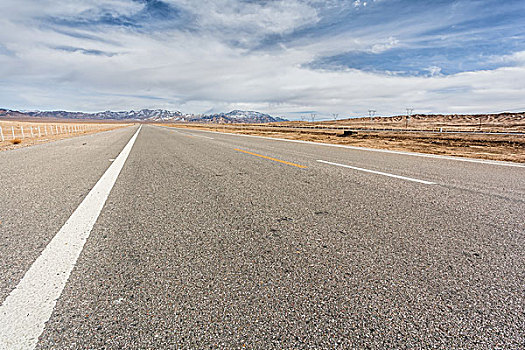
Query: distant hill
[143, 114]
[153, 115]
[505, 117]
[239, 117]
[500, 122]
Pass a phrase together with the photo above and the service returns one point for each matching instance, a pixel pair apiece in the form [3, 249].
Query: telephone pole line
[409, 113]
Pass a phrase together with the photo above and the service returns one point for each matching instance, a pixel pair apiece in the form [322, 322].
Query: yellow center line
[270, 158]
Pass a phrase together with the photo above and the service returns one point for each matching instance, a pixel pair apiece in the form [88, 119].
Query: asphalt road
[209, 240]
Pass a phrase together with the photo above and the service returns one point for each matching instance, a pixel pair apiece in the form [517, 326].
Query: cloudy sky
[284, 57]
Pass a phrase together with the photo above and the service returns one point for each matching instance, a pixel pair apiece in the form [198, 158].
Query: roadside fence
[24, 131]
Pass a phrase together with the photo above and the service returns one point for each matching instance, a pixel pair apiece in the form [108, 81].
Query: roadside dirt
[48, 132]
[494, 147]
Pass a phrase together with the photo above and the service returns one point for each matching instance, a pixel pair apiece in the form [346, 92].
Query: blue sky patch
[418, 61]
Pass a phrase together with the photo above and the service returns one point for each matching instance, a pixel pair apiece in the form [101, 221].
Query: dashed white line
[29, 306]
[206, 137]
[187, 133]
[379, 173]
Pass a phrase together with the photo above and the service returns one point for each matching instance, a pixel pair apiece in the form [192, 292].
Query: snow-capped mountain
[153, 115]
[238, 116]
[143, 114]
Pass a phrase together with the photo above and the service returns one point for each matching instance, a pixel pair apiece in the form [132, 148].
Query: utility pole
[409, 113]
[335, 115]
[371, 113]
[313, 115]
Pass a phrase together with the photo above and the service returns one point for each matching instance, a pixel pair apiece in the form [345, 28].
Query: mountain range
[153, 115]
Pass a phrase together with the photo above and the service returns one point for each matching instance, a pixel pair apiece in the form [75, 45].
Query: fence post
[56, 129]
[13, 132]
[45, 129]
[39, 133]
[22, 129]
[1, 134]
[31, 128]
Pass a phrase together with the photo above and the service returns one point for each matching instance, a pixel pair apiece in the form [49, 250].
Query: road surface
[176, 238]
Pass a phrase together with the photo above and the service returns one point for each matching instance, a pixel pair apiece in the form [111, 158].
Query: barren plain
[493, 136]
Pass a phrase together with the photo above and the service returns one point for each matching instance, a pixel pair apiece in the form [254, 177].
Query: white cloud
[250, 18]
[196, 71]
[390, 43]
[28, 9]
[434, 71]
[515, 58]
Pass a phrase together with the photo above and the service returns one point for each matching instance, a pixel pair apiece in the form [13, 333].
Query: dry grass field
[483, 146]
[18, 133]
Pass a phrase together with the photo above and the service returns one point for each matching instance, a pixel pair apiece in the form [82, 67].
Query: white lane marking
[413, 154]
[206, 137]
[378, 173]
[29, 306]
[187, 133]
